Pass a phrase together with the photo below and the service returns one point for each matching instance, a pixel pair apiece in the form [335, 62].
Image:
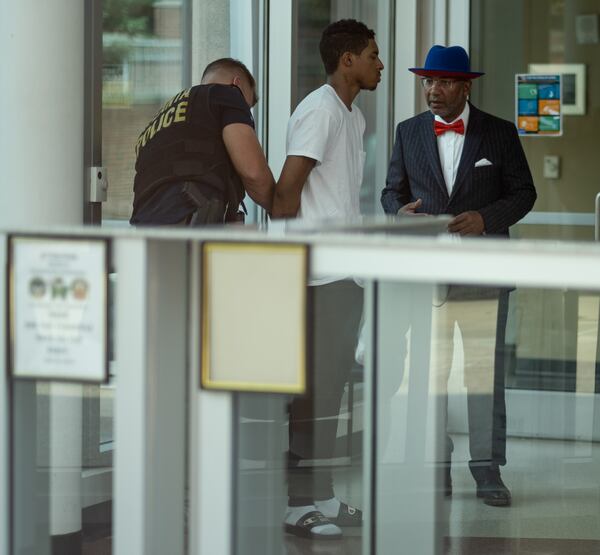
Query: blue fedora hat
[452, 61]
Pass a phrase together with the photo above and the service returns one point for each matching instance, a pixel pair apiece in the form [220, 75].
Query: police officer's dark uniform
[183, 172]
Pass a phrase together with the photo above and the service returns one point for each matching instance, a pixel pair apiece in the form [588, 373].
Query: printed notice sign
[538, 103]
[58, 308]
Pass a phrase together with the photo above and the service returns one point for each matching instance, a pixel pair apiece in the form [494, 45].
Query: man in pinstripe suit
[455, 159]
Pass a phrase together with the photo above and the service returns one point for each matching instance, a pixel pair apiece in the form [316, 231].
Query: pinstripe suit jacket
[502, 193]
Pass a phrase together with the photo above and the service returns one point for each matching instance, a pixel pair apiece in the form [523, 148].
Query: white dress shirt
[450, 147]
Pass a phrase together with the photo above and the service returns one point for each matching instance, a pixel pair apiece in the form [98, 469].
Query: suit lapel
[431, 150]
[473, 139]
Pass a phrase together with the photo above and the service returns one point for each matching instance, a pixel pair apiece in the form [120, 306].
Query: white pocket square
[482, 162]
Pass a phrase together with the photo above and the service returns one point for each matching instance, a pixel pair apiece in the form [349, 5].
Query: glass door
[143, 65]
[297, 456]
[311, 17]
[557, 36]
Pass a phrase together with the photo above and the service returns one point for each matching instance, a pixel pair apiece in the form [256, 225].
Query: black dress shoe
[492, 490]
[447, 482]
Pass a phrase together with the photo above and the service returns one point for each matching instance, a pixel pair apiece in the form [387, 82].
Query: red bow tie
[440, 128]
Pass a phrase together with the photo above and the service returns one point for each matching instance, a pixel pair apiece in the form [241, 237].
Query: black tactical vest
[184, 142]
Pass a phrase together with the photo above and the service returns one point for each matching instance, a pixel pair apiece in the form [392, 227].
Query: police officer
[199, 155]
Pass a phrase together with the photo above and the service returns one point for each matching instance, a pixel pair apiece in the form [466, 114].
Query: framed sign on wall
[58, 308]
[573, 85]
[254, 317]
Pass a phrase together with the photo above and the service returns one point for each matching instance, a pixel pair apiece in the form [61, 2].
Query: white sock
[294, 514]
[329, 507]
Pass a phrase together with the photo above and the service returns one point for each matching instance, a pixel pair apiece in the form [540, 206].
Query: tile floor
[555, 510]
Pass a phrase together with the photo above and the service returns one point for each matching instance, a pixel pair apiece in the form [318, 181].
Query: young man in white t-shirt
[321, 179]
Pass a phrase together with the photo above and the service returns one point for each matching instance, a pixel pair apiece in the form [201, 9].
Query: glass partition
[554, 36]
[62, 465]
[467, 425]
[142, 67]
[300, 469]
[486, 420]
[455, 419]
[151, 50]
[61, 477]
[312, 16]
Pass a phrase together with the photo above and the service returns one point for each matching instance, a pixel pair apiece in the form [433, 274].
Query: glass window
[143, 67]
[62, 469]
[312, 16]
[147, 50]
[62, 464]
[545, 32]
[515, 470]
[303, 454]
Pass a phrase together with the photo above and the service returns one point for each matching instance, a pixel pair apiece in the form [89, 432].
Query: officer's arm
[249, 162]
[294, 174]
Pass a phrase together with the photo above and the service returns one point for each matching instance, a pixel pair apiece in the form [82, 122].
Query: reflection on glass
[107, 391]
[479, 316]
[107, 401]
[450, 451]
[313, 16]
[62, 466]
[61, 481]
[301, 465]
[542, 32]
[143, 66]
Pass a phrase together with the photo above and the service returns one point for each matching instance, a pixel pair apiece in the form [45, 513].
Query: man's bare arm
[250, 163]
[286, 201]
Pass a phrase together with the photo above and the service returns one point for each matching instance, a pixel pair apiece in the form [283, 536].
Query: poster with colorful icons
[538, 105]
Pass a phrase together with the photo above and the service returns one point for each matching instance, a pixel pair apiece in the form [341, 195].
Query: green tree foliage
[133, 17]
[314, 12]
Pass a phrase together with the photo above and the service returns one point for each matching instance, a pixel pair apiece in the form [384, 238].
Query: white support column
[211, 447]
[280, 80]
[42, 157]
[129, 459]
[150, 413]
[384, 122]
[241, 32]
[369, 333]
[211, 468]
[209, 34]
[440, 22]
[241, 41]
[405, 55]
[64, 462]
[407, 424]
[459, 23]
[4, 410]
[41, 137]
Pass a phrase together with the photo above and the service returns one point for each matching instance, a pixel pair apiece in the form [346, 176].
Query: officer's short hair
[346, 35]
[231, 64]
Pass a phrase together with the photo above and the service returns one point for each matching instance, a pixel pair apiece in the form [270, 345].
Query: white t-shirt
[322, 128]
